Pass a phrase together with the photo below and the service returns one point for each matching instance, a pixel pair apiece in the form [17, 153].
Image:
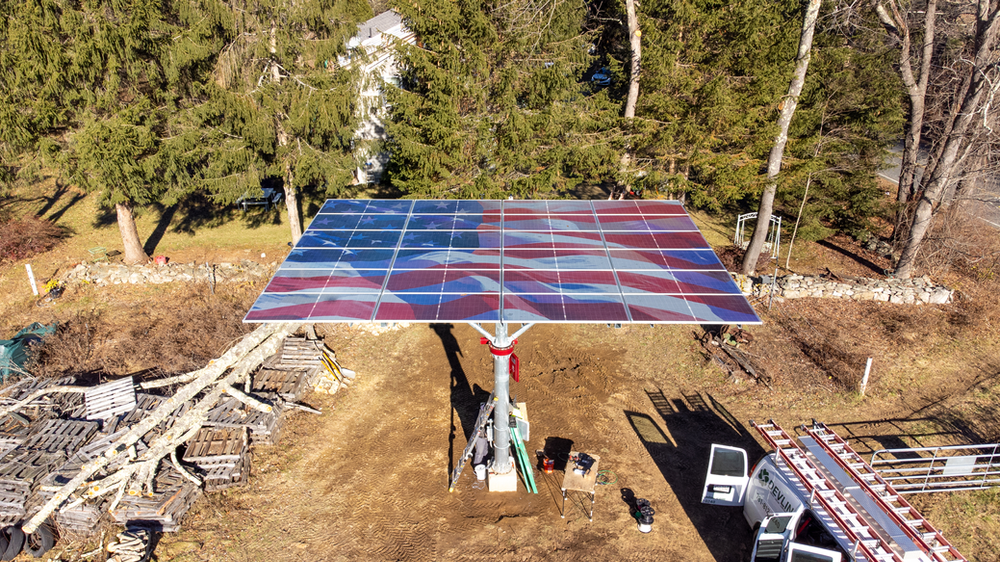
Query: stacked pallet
[146, 403]
[85, 518]
[222, 455]
[288, 383]
[46, 444]
[264, 427]
[164, 509]
[13, 497]
[300, 353]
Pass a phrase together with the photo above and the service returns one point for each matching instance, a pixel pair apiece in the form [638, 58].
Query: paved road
[985, 212]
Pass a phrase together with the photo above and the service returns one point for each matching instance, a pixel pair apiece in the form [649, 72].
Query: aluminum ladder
[485, 410]
[909, 520]
[858, 530]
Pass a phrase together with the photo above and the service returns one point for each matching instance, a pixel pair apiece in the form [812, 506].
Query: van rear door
[726, 481]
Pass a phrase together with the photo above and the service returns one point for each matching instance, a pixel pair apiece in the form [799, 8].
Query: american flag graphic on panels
[455, 260]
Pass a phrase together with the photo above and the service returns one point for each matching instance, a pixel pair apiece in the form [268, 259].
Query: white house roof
[382, 23]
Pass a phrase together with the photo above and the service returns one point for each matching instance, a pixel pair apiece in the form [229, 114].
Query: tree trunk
[250, 343]
[916, 88]
[130, 235]
[292, 204]
[944, 169]
[778, 150]
[635, 42]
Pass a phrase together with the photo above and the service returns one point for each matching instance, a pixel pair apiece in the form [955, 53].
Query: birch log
[241, 354]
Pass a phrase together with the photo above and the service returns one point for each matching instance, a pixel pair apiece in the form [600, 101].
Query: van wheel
[751, 543]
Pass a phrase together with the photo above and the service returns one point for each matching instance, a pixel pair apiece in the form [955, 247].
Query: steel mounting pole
[501, 346]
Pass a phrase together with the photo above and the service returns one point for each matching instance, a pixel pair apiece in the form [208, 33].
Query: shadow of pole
[465, 399]
[692, 423]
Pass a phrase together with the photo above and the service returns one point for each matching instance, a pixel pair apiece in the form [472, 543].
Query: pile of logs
[71, 454]
[727, 349]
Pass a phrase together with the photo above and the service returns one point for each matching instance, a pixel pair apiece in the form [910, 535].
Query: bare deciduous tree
[787, 108]
[963, 131]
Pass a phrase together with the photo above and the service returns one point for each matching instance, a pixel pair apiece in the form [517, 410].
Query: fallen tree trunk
[244, 356]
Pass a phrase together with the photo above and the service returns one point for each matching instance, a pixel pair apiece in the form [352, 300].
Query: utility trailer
[815, 499]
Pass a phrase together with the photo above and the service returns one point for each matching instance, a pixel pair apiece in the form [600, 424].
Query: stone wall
[117, 274]
[919, 290]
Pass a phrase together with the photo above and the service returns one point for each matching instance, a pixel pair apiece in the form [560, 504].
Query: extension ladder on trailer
[858, 530]
[924, 535]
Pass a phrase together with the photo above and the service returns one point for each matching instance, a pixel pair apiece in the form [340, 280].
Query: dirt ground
[368, 479]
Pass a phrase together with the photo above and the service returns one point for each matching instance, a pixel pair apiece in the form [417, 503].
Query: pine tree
[713, 74]
[493, 102]
[92, 89]
[278, 106]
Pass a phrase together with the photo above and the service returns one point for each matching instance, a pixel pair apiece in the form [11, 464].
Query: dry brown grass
[176, 334]
[960, 241]
[27, 236]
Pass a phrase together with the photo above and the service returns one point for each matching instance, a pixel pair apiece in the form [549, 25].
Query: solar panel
[502, 261]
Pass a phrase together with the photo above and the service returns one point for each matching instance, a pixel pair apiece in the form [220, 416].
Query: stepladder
[478, 431]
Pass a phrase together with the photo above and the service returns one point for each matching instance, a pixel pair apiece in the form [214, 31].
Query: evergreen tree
[493, 102]
[278, 105]
[714, 78]
[849, 112]
[92, 89]
[713, 74]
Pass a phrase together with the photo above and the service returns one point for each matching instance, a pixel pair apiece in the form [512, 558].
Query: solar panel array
[511, 261]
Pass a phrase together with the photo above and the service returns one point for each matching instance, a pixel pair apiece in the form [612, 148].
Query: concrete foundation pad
[502, 482]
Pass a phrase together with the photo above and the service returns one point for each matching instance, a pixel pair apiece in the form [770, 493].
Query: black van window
[809, 557]
[728, 463]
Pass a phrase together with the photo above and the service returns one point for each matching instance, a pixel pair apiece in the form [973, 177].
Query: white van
[777, 506]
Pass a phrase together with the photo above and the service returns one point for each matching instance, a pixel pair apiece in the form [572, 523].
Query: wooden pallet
[22, 392]
[300, 353]
[13, 496]
[58, 435]
[146, 403]
[165, 508]
[110, 399]
[265, 428]
[8, 443]
[269, 435]
[222, 476]
[290, 384]
[83, 519]
[216, 445]
[29, 466]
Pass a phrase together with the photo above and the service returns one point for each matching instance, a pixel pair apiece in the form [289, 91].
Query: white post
[31, 279]
[864, 379]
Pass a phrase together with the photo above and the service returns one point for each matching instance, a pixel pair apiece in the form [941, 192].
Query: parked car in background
[602, 77]
[271, 196]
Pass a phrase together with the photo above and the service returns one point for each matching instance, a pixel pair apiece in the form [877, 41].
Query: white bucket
[480, 472]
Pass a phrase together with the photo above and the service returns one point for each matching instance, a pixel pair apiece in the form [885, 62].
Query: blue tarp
[14, 352]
